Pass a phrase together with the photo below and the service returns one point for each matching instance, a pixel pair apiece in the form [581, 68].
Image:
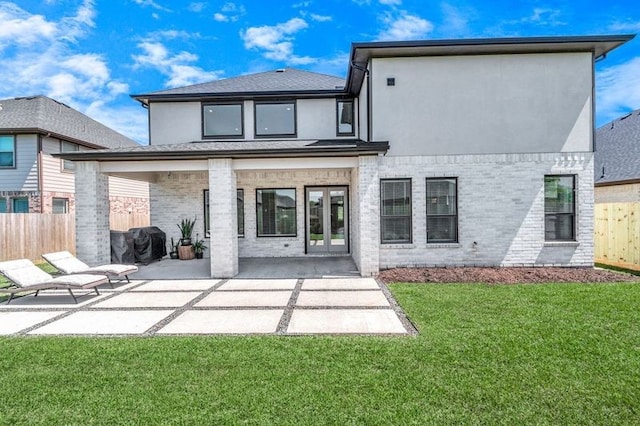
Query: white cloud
[152, 4]
[455, 21]
[277, 41]
[196, 7]
[220, 17]
[320, 18]
[405, 27]
[618, 89]
[391, 2]
[177, 67]
[229, 12]
[39, 57]
[625, 26]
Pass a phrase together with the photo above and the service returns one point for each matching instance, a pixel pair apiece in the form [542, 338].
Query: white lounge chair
[67, 263]
[26, 276]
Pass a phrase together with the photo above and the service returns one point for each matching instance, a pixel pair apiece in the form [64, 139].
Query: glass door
[327, 220]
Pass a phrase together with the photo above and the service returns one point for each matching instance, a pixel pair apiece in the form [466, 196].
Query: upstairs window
[275, 119]
[345, 118]
[222, 120]
[7, 152]
[559, 208]
[442, 210]
[68, 166]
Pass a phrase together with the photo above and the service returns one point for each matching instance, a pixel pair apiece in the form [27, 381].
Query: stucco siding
[25, 176]
[483, 104]
[174, 122]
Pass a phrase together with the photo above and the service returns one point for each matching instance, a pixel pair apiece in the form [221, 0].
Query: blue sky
[92, 55]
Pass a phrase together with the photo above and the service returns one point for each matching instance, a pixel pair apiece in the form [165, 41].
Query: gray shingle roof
[283, 80]
[618, 149]
[45, 115]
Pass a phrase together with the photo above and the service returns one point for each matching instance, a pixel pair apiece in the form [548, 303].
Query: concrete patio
[281, 306]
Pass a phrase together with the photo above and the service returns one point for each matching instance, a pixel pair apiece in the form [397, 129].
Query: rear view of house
[445, 152]
[32, 180]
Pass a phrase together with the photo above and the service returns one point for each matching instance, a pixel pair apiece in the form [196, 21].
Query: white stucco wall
[483, 104]
[174, 122]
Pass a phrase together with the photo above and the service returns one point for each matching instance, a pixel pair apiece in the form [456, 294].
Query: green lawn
[517, 354]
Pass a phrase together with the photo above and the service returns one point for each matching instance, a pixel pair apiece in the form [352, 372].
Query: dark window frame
[15, 154]
[409, 215]
[203, 105]
[295, 222]
[240, 216]
[257, 135]
[13, 204]
[206, 210]
[339, 118]
[574, 226]
[455, 240]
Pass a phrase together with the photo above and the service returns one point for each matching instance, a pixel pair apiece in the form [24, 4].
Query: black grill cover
[149, 243]
[122, 250]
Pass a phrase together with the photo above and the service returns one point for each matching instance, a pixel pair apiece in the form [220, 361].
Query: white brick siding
[223, 213]
[93, 243]
[500, 210]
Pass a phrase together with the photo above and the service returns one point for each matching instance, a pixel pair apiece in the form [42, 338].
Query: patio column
[223, 218]
[93, 241]
[368, 216]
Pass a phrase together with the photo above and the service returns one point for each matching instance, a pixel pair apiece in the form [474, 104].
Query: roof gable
[45, 115]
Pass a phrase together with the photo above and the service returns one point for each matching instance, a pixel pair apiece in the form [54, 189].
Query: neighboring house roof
[617, 150]
[201, 150]
[43, 115]
[287, 80]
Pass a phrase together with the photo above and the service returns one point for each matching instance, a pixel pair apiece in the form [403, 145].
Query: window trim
[278, 135]
[63, 163]
[353, 117]
[427, 215]
[203, 105]
[15, 154]
[409, 215]
[574, 205]
[295, 193]
[66, 204]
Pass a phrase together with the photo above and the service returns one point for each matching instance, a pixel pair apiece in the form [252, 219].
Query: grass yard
[517, 354]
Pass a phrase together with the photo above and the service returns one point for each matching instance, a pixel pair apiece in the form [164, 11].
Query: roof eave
[44, 132]
[146, 98]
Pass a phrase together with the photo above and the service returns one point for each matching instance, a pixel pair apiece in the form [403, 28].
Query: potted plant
[199, 248]
[173, 253]
[186, 229]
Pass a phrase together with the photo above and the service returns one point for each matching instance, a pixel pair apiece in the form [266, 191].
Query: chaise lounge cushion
[69, 264]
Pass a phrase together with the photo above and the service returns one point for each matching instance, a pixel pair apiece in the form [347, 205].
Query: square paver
[340, 284]
[246, 284]
[12, 322]
[177, 285]
[225, 322]
[342, 298]
[348, 321]
[104, 322]
[245, 298]
[148, 300]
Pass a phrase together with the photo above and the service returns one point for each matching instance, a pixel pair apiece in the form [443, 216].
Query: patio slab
[342, 298]
[225, 322]
[104, 322]
[245, 299]
[53, 299]
[257, 284]
[148, 300]
[13, 322]
[177, 285]
[345, 321]
[341, 284]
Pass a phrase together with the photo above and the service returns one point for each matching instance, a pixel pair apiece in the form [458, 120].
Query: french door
[327, 219]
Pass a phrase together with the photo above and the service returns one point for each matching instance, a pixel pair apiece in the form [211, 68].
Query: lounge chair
[67, 263]
[26, 276]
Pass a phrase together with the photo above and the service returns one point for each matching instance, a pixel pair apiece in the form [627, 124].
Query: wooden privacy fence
[29, 235]
[617, 234]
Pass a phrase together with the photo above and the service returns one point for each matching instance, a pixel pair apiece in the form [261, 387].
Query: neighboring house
[441, 152]
[32, 181]
[617, 160]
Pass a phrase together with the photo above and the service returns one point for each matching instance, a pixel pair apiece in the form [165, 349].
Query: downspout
[40, 173]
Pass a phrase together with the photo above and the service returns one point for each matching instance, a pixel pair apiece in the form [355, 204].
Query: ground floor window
[442, 210]
[20, 205]
[395, 196]
[3, 205]
[276, 212]
[240, 212]
[559, 208]
[60, 205]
